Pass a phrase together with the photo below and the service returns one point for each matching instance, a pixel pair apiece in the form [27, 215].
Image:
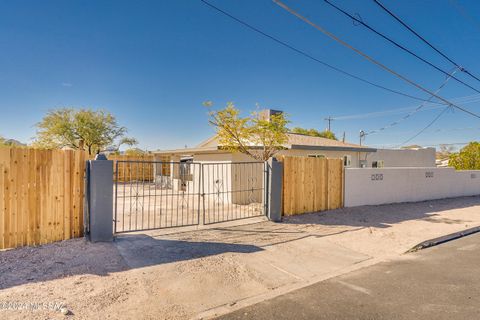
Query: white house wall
[305, 153]
[403, 158]
[223, 180]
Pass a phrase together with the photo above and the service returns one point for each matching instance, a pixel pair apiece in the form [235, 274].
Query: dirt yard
[147, 207]
[203, 273]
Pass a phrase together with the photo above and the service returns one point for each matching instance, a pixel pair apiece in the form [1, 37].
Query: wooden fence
[312, 184]
[41, 196]
[133, 171]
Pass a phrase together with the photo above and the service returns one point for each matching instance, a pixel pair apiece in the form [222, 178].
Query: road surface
[442, 282]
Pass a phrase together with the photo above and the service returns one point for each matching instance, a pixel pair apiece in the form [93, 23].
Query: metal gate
[156, 195]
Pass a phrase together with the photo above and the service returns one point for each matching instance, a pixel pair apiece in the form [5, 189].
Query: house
[238, 178]
[353, 155]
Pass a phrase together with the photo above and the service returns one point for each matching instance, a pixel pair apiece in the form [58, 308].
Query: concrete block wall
[394, 185]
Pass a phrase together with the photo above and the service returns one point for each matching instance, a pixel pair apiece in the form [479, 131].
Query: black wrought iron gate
[156, 195]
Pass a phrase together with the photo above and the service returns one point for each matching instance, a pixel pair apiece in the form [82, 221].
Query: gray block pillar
[275, 184]
[101, 199]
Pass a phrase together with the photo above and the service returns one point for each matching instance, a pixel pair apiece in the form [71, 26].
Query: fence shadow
[140, 250]
[79, 257]
[383, 216]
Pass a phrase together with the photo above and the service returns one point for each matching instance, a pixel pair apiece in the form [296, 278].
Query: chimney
[267, 113]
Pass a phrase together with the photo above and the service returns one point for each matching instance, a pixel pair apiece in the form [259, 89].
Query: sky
[153, 63]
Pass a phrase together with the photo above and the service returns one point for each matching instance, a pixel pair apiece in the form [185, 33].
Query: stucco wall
[225, 181]
[393, 185]
[403, 158]
[304, 153]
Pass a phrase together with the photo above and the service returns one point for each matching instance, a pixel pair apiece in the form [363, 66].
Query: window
[347, 161]
[185, 171]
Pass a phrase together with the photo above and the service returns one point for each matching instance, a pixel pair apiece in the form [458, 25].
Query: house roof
[295, 141]
[301, 141]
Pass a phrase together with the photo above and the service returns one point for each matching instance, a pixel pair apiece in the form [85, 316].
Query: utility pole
[362, 136]
[329, 120]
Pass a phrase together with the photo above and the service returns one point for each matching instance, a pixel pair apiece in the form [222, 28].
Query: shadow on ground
[383, 216]
[141, 250]
[78, 257]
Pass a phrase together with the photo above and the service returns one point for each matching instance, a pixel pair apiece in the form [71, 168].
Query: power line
[307, 55]
[427, 126]
[424, 40]
[399, 45]
[331, 35]
[410, 114]
[423, 144]
[429, 106]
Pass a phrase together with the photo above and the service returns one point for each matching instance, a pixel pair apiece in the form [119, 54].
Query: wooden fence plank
[128, 172]
[334, 183]
[2, 205]
[5, 160]
[14, 177]
[38, 197]
[31, 190]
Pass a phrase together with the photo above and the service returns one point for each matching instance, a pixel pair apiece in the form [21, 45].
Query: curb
[443, 239]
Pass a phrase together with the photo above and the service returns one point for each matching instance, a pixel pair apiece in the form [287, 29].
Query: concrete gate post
[100, 202]
[275, 189]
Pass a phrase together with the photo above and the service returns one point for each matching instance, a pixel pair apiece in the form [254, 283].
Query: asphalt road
[441, 282]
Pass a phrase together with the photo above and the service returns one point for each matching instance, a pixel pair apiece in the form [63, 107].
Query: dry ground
[207, 272]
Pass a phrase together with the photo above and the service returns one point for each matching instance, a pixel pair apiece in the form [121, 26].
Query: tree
[253, 135]
[11, 143]
[413, 146]
[467, 159]
[445, 151]
[135, 152]
[81, 128]
[315, 133]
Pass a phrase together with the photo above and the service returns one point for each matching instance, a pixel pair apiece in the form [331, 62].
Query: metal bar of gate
[116, 197]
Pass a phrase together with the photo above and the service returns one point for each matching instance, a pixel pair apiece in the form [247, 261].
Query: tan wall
[236, 180]
[213, 157]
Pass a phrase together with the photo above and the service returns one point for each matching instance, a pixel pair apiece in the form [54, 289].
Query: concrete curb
[443, 239]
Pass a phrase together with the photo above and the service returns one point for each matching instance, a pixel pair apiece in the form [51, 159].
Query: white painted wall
[393, 185]
[403, 158]
[355, 156]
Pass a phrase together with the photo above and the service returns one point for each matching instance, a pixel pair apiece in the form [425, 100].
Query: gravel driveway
[202, 273]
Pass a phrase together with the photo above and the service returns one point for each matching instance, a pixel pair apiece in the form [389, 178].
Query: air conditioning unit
[378, 164]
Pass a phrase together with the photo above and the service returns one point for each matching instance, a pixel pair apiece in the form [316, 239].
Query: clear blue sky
[153, 63]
